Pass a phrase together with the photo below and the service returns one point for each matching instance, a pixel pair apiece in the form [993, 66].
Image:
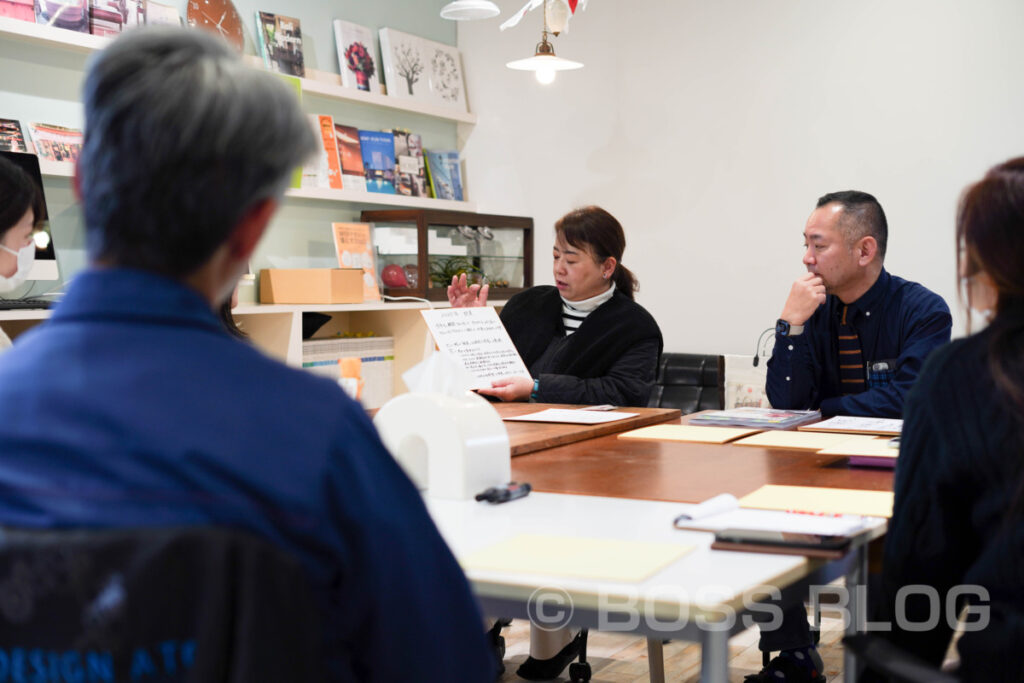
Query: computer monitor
[45, 267]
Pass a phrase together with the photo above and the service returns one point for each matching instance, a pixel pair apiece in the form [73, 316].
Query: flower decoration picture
[447, 80]
[359, 62]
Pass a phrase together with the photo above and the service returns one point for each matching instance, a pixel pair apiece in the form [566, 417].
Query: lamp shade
[544, 63]
[464, 10]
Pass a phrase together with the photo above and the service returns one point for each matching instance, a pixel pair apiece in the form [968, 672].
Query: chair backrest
[689, 382]
[172, 604]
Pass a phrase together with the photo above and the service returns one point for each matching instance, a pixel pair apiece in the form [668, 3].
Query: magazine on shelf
[422, 69]
[161, 14]
[410, 170]
[767, 418]
[56, 143]
[11, 137]
[280, 42]
[378, 160]
[444, 173]
[350, 157]
[357, 56]
[18, 9]
[72, 15]
[110, 17]
[323, 169]
[354, 247]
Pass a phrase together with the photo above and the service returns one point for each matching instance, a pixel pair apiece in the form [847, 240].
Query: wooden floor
[617, 658]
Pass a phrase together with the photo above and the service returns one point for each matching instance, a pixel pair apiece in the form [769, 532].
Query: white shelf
[358, 197]
[29, 314]
[249, 309]
[66, 169]
[320, 83]
[51, 36]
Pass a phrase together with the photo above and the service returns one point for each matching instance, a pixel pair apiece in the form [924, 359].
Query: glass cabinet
[418, 251]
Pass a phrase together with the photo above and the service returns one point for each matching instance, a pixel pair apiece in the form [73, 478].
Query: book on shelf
[355, 250]
[357, 56]
[280, 43]
[111, 17]
[158, 13]
[422, 69]
[410, 171]
[72, 15]
[766, 418]
[350, 157]
[444, 174]
[378, 150]
[323, 169]
[56, 143]
[11, 137]
[18, 9]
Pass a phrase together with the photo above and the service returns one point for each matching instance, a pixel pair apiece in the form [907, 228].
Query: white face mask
[26, 257]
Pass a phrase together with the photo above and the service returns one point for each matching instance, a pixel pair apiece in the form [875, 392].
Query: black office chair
[689, 382]
[175, 604]
[893, 663]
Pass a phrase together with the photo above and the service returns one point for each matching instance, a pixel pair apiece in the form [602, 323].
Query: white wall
[710, 129]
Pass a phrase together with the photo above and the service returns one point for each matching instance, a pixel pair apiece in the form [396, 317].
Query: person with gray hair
[132, 406]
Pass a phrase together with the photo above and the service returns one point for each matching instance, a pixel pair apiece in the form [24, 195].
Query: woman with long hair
[957, 531]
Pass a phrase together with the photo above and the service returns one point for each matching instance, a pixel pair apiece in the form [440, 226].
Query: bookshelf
[277, 328]
[50, 64]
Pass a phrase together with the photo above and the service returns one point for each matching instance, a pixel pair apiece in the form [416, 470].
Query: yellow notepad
[820, 500]
[806, 441]
[690, 433]
[580, 558]
[864, 446]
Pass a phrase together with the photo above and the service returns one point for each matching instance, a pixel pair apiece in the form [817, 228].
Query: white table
[691, 599]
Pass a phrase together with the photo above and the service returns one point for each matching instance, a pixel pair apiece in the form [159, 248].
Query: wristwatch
[786, 330]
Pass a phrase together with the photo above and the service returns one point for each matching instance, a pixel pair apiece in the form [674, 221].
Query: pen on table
[603, 406]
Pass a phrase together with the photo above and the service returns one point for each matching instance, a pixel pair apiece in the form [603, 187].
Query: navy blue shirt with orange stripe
[898, 324]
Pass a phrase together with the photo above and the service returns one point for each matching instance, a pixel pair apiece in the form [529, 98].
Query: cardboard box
[311, 286]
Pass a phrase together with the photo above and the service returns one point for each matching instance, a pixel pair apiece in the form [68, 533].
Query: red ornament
[393, 276]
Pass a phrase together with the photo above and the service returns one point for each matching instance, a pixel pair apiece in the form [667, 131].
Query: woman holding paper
[584, 339]
[958, 521]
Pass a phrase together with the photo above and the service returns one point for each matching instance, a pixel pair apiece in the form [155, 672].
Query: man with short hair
[132, 406]
[851, 340]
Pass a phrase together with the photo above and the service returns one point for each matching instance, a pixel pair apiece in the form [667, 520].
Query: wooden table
[684, 472]
[530, 437]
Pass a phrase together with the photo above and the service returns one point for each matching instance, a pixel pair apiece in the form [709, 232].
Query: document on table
[571, 416]
[863, 445]
[820, 501]
[688, 433]
[476, 338]
[857, 425]
[601, 559]
[806, 441]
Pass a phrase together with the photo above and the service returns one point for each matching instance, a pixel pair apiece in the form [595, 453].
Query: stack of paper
[820, 501]
[857, 425]
[688, 433]
[764, 418]
[803, 441]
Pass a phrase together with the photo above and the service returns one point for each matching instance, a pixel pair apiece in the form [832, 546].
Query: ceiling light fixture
[544, 63]
[467, 10]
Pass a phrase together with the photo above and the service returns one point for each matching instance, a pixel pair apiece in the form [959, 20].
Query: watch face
[782, 327]
[218, 16]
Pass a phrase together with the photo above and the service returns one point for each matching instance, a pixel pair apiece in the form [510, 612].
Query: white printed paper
[476, 338]
[580, 416]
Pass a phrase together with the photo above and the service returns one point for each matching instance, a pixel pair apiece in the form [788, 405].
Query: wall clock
[218, 16]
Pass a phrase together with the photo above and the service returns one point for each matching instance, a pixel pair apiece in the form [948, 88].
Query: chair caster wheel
[579, 672]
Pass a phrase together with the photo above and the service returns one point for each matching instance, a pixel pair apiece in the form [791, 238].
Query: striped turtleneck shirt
[575, 312]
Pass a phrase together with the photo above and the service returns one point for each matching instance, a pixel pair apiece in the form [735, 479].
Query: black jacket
[611, 358]
[957, 479]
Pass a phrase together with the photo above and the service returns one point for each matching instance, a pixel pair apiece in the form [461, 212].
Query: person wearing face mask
[958, 515]
[584, 340]
[20, 206]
